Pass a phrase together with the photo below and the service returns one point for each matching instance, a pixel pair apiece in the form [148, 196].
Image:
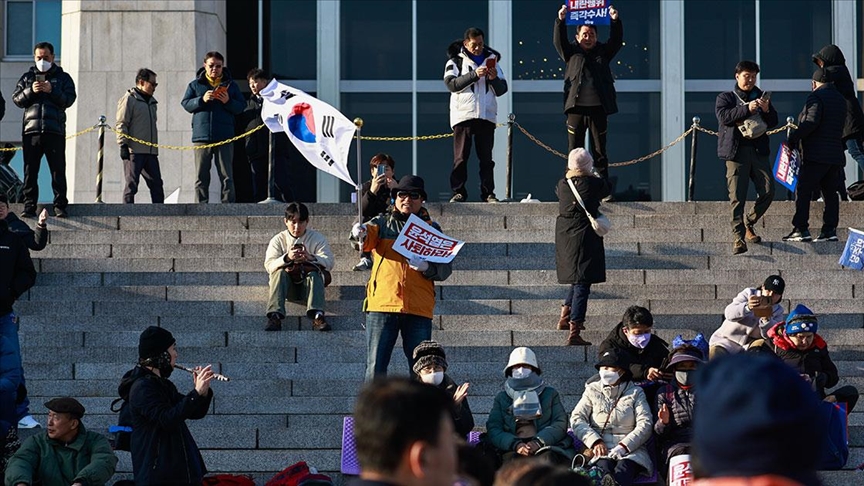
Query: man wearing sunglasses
[136, 117]
[400, 295]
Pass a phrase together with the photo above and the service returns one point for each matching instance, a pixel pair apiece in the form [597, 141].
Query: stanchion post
[691, 190]
[271, 168]
[100, 158]
[511, 119]
[790, 196]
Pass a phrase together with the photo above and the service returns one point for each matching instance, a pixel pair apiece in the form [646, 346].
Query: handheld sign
[853, 253]
[588, 12]
[786, 166]
[420, 239]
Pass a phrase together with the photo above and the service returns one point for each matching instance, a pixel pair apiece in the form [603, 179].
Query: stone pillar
[105, 42]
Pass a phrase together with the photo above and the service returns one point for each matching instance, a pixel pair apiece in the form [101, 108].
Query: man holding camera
[299, 261]
[746, 155]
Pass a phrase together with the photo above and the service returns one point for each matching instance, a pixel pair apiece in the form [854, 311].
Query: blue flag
[853, 254]
[786, 166]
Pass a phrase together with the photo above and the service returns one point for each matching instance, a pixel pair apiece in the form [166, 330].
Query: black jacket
[258, 144]
[34, 240]
[814, 362]
[2, 106]
[597, 59]
[212, 121]
[163, 450]
[640, 359]
[373, 204]
[579, 253]
[730, 112]
[820, 127]
[45, 112]
[17, 273]
[834, 65]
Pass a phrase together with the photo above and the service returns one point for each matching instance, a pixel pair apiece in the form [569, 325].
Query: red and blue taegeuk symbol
[301, 122]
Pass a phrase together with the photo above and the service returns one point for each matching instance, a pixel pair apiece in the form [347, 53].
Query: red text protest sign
[419, 239]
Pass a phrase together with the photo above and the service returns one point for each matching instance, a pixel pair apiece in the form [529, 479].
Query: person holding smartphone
[748, 317]
[375, 196]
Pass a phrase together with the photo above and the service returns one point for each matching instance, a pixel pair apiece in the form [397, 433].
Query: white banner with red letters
[419, 239]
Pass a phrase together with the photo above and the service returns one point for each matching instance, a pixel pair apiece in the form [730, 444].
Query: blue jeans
[577, 299]
[9, 330]
[854, 147]
[382, 329]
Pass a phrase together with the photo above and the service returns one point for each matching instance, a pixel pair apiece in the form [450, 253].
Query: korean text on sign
[587, 12]
[419, 239]
[853, 253]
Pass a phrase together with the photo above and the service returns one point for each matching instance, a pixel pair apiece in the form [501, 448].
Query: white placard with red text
[419, 239]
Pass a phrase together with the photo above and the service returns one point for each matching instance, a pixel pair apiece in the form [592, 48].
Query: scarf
[525, 393]
[213, 82]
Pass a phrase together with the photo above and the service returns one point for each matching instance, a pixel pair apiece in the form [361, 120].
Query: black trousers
[261, 178]
[146, 165]
[53, 147]
[589, 118]
[748, 166]
[824, 178]
[483, 133]
[624, 471]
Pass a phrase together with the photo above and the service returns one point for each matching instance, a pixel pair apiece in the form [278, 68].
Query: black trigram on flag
[327, 126]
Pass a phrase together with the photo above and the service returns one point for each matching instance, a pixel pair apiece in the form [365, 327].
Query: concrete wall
[104, 44]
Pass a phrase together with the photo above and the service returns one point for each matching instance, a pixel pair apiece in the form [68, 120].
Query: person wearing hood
[67, 453]
[136, 117]
[613, 420]
[400, 294]
[797, 342]
[589, 86]
[676, 400]
[430, 366]
[748, 317]
[528, 415]
[163, 450]
[44, 92]
[214, 99]
[474, 78]
[830, 58]
[634, 339]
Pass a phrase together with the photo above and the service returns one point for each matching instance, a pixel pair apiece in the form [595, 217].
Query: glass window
[790, 36]
[710, 170]
[376, 40]
[435, 157]
[438, 27]
[293, 46]
[719, 34]
[535, 56]
[384, 115]
[20, 37]
[633, 132]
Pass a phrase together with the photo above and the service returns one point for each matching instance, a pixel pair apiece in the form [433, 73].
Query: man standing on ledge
[589, 87]
[214, 99]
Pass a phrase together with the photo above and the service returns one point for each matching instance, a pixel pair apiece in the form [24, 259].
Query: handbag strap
[609, 415]
[579, 198]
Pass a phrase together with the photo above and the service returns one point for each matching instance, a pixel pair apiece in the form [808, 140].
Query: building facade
[383, 60]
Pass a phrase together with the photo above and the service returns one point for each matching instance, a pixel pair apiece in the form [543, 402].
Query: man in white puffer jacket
[474, 79]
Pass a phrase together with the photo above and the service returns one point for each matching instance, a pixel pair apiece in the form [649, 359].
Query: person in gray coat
[614, 420]
[136, 117]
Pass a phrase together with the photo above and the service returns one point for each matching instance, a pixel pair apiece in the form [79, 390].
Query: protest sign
[588, 12]
[853, 253]
[786, 166]
[420, 239]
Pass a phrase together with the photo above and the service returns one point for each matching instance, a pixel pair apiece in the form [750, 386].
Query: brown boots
[563, 322]
[574, 339]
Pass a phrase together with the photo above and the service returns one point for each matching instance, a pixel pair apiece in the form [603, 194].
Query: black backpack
[856, 191]
[120, 435]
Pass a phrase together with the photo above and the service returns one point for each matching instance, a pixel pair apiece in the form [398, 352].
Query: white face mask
[683, 377]
[42, 65]
[608, 377]
[434, 378]
[639, 341]
[520, 373]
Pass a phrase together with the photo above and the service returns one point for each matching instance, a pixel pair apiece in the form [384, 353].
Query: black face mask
[161, 363]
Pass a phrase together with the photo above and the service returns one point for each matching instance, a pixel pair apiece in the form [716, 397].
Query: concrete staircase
[197, 270]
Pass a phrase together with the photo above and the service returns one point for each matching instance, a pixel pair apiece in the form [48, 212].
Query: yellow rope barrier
[82, 132]
[194, 147]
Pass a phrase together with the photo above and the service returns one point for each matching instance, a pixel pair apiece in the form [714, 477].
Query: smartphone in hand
[40, 77]
[766, 95]
[490, 63]
[381, 169]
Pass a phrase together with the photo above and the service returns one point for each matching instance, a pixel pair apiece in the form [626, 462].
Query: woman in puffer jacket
[613, 419]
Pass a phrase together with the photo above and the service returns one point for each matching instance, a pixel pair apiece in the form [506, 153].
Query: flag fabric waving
[320, 132]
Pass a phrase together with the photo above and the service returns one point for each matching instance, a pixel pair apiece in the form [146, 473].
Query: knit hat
[154, 341]
[775, 283]
[801, 319]
[580, 159]
[66, 405]
[523, 356]
[612, 358]
[761, 418]
[429, 353]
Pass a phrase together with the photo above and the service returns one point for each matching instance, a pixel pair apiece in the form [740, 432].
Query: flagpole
[358, 122]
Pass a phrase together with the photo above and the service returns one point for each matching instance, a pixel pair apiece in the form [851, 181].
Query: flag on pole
[853, 253]
[320, 132]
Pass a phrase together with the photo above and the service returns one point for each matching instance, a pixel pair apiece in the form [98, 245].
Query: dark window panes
[860, 12]
[438, 27]
[790, 36]
[384, 115]
[293, 44]
[535, 56]
[719, 34]
[633, 132]
[48, 14]
[435, 157]
[19, 28]
[376, 39]
[710, 170]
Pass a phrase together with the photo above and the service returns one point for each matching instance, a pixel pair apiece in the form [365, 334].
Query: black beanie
[761, 418]
[429, 353]
[154, 341]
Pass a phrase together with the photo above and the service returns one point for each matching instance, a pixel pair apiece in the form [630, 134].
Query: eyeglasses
[404, 194]
[214, 66]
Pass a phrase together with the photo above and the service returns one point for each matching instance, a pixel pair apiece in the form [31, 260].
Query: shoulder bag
[601, 223]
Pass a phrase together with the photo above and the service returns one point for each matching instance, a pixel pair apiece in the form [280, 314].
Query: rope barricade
[193, 147]
[68, 137]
